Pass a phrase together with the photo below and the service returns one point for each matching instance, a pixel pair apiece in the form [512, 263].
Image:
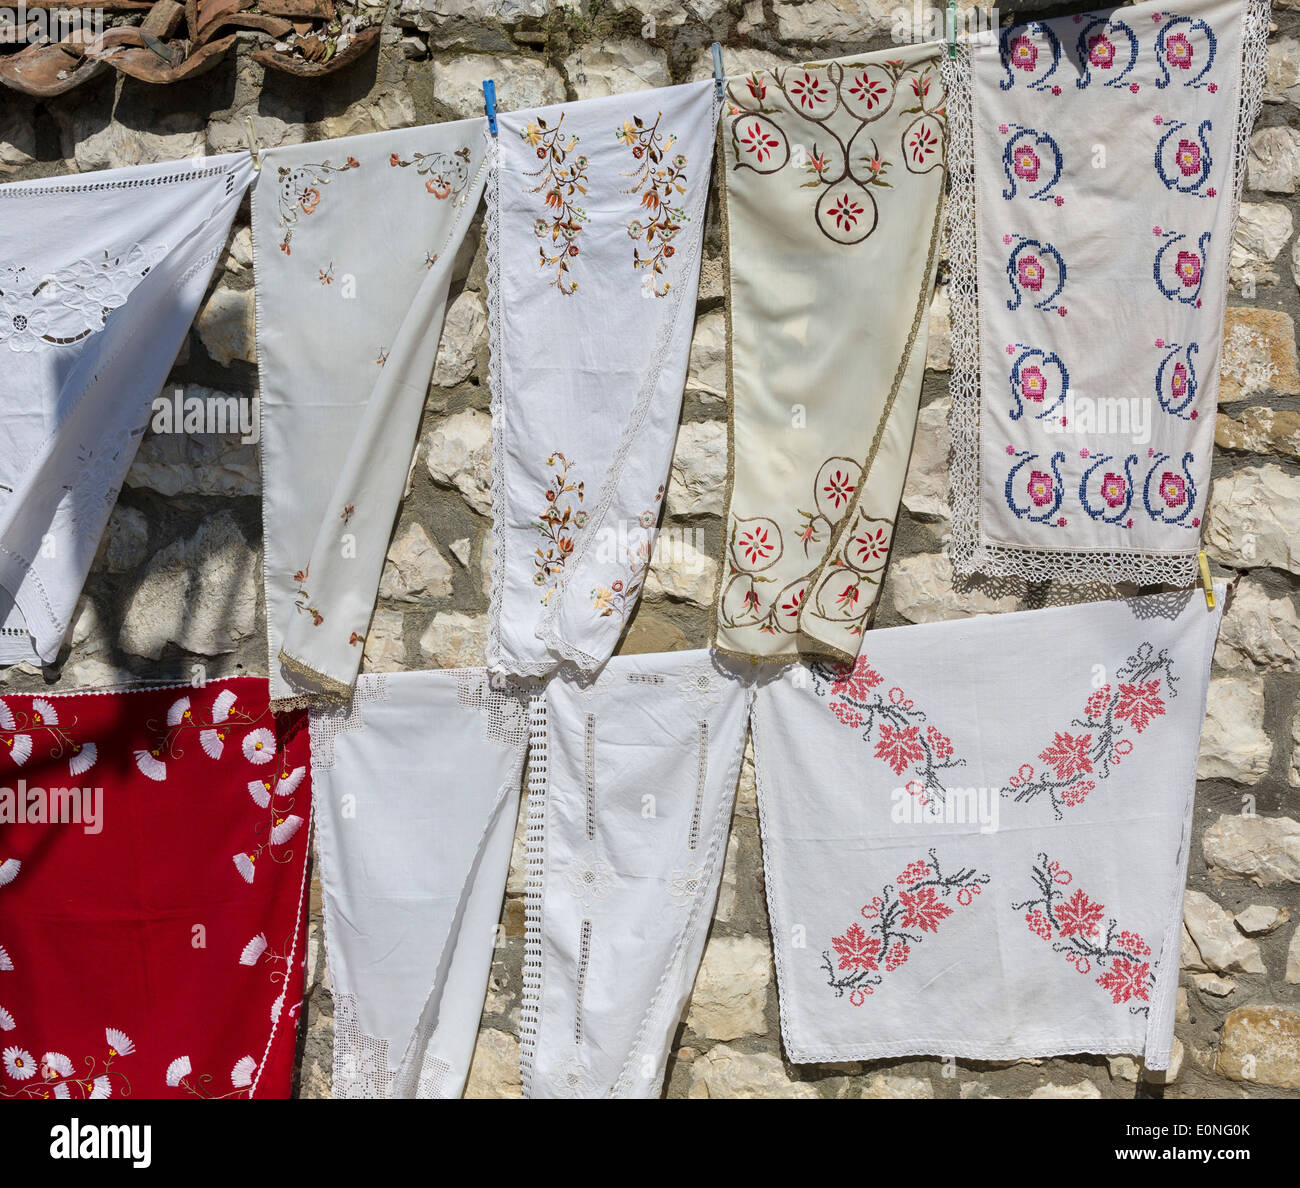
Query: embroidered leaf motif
[1079, 915]
[857, 950]
[923, 910]
[1125, 980]
[899, 747]
[1068, 755]
[1139, 703]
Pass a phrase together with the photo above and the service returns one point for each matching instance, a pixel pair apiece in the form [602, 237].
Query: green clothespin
[952, 29]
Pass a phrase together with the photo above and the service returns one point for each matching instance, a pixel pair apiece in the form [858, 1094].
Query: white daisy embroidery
[260, 791]
[150, 765]
[6, 962]
[19, 1063]
[55, 1065]
[100, 1088]
[178, 1070]
[253, 950]
[7, 719]
[241, 1076]
[213, 742]
[590, 877]
[571, 1079]
[289, 781]
[259, 746]
[685, 885]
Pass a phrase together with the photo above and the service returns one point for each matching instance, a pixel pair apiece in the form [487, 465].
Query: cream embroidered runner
[1097, 165]
[595, 221]
[629, 804]
[417, 786]
[100, 281]
[354, 241]
[976, 838]
[833, 179]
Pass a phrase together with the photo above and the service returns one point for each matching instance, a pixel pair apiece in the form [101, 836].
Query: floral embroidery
[273, 793]
[1183, 164]
[1023, 159]
[620, 596]
[1177, 492]
[302, 599]
[69, 304]
[1176, 379]
[560, 182]
[657, 183]
[757, 544]
[858, 561]
[214, 728]
[1043, 491]
[1099, 740]
[1178, 270]
[1020, 56]
[300, 193]
[917, 902]
[1037, 376]
[1036, 269]
[842, 170]
[590, 878]
[1078, 927]
[447, 173]
[685, 885]
[180, 1075]
[1097, 50]
[19, 731]
[1175, 49]
[59, 1077]
[1112, 489]
[561, 520]
[892, 722]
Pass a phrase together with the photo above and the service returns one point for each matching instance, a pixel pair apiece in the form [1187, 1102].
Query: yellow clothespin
[1206, 583]
[252, 146]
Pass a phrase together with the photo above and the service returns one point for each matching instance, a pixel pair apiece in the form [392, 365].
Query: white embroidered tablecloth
[354, 242]
[629, 803]
[1097, 164]
[595, 221]
[101, 279]
[416, 785]
[833, 180]
[976, 839]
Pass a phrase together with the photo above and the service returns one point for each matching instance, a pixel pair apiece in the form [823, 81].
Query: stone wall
[176, 582]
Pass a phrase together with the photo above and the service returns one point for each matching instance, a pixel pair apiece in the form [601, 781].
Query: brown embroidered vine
[561, 520]
[302, 600]
[657, 183]
[447, 173]
[1072, 922]
[1107, 717]
[892, 723]
[560, 182]
[917, 902]
[620, 596]
[300, 192]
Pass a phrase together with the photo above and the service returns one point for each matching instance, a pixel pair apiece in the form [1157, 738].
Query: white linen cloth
[832, 183]
[416, 785]
[632, 780]
[1097, 165]
[976, 839]
[354, 246]
[595, 221]
[101, 279]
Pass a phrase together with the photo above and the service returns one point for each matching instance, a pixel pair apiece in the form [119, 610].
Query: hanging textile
[632, 780]
[101, 279]
[595, 221]
[153, 883]
[354, 243]
[968, 857]
[833, 183]
[417, 793]
[1097, 165]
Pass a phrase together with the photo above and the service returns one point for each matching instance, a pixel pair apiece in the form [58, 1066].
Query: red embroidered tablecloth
[153, 861]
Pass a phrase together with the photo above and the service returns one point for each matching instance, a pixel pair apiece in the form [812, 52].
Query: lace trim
[589, 765]
[969, 552]
[500, 703]
[131, 183]
[547, 631]
[580, 991]
[361, 1066]
[329, 722]
[534, 886]
[701, 784]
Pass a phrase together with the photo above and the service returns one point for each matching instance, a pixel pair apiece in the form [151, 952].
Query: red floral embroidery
[1107, 715]
[899, 918]
[891, 722]
[1078, 928]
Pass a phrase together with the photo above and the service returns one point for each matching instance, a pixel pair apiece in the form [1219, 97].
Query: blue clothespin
[952, 29]
[490, 99]
[718, 77]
